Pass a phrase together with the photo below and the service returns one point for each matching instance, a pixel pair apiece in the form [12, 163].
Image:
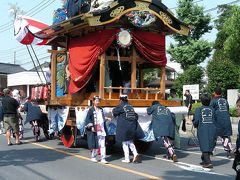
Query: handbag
[184, 125]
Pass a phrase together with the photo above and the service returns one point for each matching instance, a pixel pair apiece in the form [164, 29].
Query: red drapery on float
[151, 46]
[84, 52]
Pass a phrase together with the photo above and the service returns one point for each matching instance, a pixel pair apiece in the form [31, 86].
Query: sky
[43, 10]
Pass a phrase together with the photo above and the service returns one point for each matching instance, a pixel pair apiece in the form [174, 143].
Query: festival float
[102, 48]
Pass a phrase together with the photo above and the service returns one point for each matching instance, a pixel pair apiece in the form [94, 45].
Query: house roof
[43, 65]
[6, 68]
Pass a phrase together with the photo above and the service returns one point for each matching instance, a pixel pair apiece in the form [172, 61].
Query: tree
[191, 50]
[225, 12]
[232, 43]
[193, 75]
[223, 70]
[222, 73]
[195, 52]
[150, 75]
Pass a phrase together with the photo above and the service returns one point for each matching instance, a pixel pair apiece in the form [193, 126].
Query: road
[50, 160]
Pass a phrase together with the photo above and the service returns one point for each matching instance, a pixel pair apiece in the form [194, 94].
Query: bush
[195, 106]
[233, 112]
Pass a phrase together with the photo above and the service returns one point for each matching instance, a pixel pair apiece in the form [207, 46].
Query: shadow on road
[21, 157]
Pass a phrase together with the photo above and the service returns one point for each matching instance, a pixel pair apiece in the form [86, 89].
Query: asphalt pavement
[50, 160]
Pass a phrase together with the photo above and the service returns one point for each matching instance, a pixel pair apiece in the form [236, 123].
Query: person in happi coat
[128, 128]
[178, 117]
[223, 122]
[36, 118]
[205, 122]
[1, 113]
[163, 124]
[96, 131]
[236, 162]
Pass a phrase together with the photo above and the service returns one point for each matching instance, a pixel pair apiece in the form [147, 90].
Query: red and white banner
[28, 30]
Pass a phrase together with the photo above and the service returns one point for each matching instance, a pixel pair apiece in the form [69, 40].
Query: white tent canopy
[25, 78]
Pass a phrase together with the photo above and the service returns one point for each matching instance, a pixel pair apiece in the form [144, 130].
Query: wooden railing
[136, 93]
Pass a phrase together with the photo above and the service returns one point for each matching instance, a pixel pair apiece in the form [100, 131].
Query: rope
[39, 63]
[34, 64]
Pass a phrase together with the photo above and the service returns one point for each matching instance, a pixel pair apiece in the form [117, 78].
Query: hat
[123, 97]
[96, 98]
[6, 91]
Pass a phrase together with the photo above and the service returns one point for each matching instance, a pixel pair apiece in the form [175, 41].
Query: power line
[21, 59]
[18, 48]
[46, 57]
[46, 5]
[28, 12]
[40, 8]
[193, 2]
[215, 8]
[18, 60]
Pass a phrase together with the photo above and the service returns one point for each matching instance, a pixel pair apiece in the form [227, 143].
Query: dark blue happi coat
[128, 127]
[92, 138]
[1, 113]
[238, 139]
[223, 122]
[33, 112]
[163, 121]
[1, 110]
[76, 7]
[204, 121]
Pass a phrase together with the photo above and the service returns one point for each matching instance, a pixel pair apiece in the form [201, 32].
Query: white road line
[182, 165]
[196, 153]
[187, 166]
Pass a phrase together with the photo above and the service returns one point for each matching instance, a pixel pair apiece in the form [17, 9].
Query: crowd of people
[11, 120]
[212, 120]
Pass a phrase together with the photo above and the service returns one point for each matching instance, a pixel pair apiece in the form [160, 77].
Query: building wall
[232, 96]
[3, 81]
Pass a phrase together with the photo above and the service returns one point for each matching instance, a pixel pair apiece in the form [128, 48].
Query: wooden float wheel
[68, 136]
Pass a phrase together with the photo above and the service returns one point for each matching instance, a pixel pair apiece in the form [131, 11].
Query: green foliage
[222, 73]
[193, 75]
[192, 14]
[191, 50]
[150, 75]
[225, 12]
[195, 106]
[233, 112]
[232, 43]
[223, 70]
[227, 44]
[193, 53]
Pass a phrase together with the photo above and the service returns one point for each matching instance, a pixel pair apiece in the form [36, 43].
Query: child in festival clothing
[163, 124]
[204, 121]
[96, 131]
